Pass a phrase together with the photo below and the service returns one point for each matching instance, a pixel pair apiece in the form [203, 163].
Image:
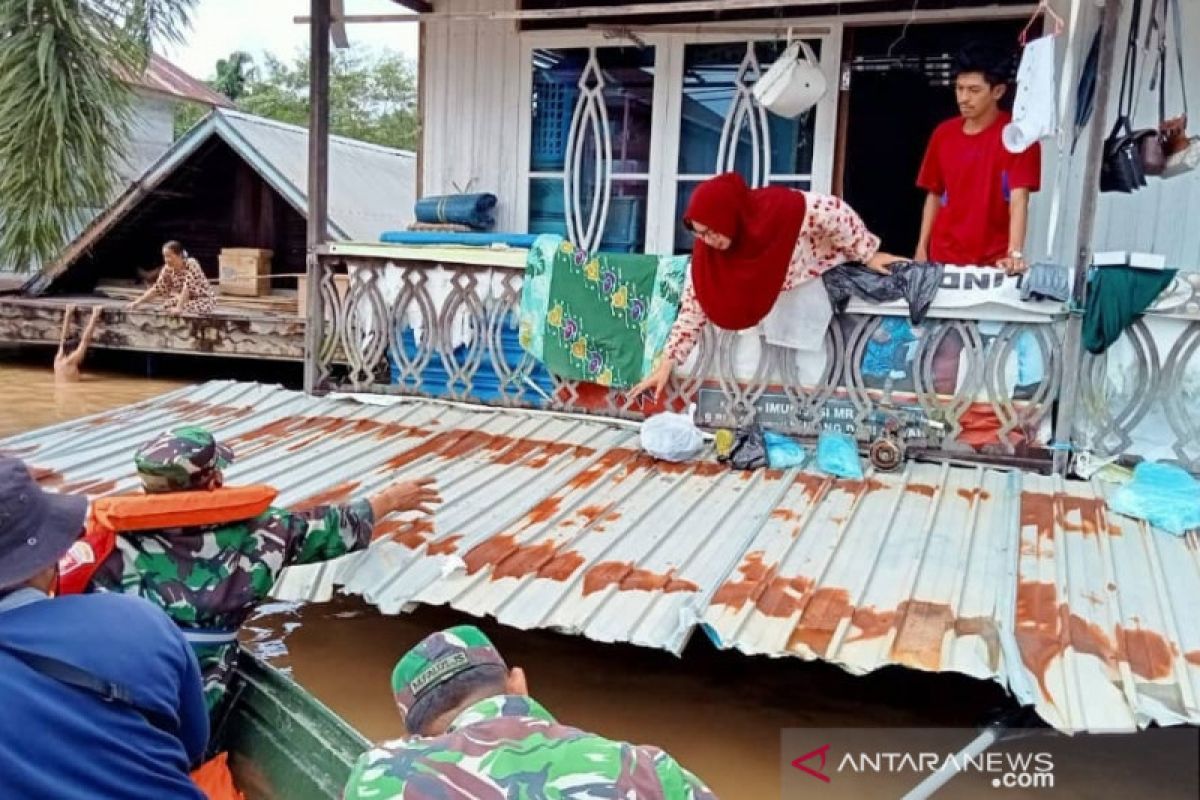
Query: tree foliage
[233, 74]
[65, 110]
[372, 95]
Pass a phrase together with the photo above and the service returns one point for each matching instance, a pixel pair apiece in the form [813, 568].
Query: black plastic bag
[917, 282]
[749, 449]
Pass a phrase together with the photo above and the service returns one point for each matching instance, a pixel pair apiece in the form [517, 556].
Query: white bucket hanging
[794, 83]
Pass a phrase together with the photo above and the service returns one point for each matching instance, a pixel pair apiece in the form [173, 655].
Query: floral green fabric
[602, 319]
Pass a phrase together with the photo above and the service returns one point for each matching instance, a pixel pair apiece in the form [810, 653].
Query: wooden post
[318, 182]
[1064, 424]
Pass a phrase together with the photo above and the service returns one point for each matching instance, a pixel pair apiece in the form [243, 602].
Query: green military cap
[181, 459]
[438, 658]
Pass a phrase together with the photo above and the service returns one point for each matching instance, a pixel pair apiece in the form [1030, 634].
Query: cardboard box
[241, 271]
[342, 282]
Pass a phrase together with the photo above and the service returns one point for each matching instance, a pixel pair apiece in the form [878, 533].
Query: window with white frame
[619, 136]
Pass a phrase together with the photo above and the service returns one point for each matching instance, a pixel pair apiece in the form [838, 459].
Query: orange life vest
[122, 514]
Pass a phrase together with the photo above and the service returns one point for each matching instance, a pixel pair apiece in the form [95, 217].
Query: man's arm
[327, 532]
[933, 204]
[85, 338]
[66, 328]
[1018, 226]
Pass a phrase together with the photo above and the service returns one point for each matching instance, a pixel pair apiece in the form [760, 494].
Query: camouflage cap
[182, 459]
[438, 658]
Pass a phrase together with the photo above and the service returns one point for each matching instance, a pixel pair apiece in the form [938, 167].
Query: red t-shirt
[974, 174]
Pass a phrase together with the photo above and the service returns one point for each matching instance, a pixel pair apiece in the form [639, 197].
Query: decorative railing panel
[958, 386]
[1142, 396]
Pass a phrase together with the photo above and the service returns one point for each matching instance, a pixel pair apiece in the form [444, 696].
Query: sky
[220, 27]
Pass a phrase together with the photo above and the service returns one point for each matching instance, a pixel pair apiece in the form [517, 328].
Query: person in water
[182, 281]
[67, 364]
[751, 246]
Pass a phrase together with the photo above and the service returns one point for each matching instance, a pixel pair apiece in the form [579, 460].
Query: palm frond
[65, 111]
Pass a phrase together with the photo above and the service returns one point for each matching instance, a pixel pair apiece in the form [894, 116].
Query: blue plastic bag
[1164, 495]
[837, 454]
[782, 452]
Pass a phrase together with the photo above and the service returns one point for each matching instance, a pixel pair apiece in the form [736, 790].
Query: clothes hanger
[1043, 10]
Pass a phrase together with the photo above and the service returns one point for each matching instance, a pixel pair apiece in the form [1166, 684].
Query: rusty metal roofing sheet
[163, 77]
[552, 521]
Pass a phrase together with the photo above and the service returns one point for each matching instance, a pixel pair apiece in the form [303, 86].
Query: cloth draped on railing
[600, 318]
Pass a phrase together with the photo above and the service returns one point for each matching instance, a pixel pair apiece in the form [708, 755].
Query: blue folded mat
[474, 210]
[524, 240]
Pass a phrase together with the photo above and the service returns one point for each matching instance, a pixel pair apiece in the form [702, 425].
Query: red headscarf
[737, 287]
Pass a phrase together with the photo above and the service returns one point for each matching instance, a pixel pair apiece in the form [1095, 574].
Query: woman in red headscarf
[751, 246]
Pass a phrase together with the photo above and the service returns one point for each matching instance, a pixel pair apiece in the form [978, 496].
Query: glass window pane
[625, 229]
[628, 74]
[709, 73]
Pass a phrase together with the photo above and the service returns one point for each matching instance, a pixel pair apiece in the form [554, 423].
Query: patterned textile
[201, 297]
[210, 579]
[509, 746]
[602, 319]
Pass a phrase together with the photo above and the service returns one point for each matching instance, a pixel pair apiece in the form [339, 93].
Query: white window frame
[663, 178]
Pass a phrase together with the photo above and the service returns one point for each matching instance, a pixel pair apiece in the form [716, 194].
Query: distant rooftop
[164, 78]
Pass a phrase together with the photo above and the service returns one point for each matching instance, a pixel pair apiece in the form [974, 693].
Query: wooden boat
[283, 743]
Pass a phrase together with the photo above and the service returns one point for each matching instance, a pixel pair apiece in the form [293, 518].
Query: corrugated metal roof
[552, 521]
[372, 189]
[163, 77]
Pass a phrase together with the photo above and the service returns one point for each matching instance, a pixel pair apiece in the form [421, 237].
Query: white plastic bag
[672, 437]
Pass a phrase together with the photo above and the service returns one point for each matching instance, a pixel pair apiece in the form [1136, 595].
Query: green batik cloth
[601, 319]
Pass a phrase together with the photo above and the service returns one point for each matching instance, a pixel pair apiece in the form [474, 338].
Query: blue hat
[36, 527]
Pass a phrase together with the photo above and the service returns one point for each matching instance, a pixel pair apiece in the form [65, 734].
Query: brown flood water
[29, 398]
[720, 713]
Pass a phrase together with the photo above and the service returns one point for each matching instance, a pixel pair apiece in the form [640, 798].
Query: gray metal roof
[553, 521]
[372, 189]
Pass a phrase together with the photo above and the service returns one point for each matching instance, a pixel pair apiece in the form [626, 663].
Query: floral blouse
[201, 297]
[832, 234]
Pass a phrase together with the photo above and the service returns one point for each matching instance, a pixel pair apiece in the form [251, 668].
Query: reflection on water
[29, 398]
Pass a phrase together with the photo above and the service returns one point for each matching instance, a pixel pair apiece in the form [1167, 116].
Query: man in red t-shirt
[977, 209]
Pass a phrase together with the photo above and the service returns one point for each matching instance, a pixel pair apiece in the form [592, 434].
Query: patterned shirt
[201, 297]
[510, 746]
[211, 579]
[832, 234]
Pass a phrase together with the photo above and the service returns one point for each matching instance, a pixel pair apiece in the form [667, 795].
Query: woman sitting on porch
[183, 281]
[751, 246]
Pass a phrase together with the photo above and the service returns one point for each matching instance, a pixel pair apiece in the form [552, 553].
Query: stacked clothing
[600, 318]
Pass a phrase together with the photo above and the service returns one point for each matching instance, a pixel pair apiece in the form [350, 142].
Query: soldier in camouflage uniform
[478, 735]
[210, 579]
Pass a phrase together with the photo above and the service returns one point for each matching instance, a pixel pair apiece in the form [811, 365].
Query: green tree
[372, 96]
[233, 73]
[65, 110]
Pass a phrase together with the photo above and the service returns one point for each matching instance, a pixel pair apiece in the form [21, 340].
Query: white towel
[1034, 113]
[800, 317]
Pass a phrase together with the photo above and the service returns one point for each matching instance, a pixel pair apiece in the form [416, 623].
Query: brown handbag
[1181, 151]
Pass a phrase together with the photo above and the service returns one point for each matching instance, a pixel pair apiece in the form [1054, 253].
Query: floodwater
[29, 398]
[721, 714]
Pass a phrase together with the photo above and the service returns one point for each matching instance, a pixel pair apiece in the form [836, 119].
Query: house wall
[471, 106]
[475, 79]
[1165, 216]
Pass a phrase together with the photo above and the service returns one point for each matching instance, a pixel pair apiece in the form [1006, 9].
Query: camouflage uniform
[507, 746]
[210, 579]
